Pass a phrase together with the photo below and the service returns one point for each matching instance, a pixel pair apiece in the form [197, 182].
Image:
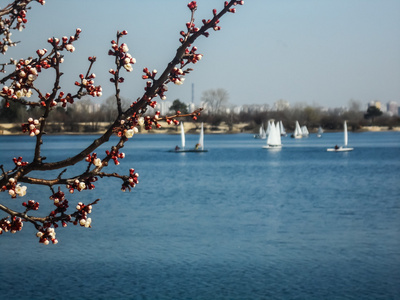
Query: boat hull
[188, 150]
[339, 149]
[272, 147]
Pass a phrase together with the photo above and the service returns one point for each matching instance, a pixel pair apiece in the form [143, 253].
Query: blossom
[19, 94]
[128, 67]
[28, 93]
[86, 223]
[124, 47]
[20, 190]
[81, 185]
[179, 81]
[141, 121]
[70, 47]
[97, 162]
[129, 133]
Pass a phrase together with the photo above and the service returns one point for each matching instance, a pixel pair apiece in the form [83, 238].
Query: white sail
[282, 129]
[182, 136]
[261, 133]
[304, 131]
[274, 137]
[278, 135]
[297, 131]
[320, 131]
[268, 128]
[201, 139]
[344, 147]
[199, 147]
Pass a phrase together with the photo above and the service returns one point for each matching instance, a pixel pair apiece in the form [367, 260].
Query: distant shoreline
[190, 128]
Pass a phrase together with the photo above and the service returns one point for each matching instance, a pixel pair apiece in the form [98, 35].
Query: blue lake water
[237, 222]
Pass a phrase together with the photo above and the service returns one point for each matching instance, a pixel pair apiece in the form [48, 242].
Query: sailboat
[274, 137]
[343, 148]
[282, 129]
[320, 131]
[304, 131]
[268, 128]
[297, 134]
[199, 147]
[262, 134]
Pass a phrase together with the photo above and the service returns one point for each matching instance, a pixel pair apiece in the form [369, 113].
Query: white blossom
[128, 67]
[124, 47]
[20, 190]
[97, 162]
[141, 121]
[70, 47]
[129, 133]
[81, 185]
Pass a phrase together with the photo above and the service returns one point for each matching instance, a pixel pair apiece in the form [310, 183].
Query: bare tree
[214, 100]
[19, 85]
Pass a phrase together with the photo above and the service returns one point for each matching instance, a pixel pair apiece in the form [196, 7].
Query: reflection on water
[238, 222]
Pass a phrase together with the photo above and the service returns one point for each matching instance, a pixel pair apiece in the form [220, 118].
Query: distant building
[163, 106]
[87, 106]
[252, 108]
[393, 108]
[281, 105]
[191, 107]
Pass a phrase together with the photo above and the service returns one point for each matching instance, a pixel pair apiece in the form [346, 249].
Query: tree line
[216, 112]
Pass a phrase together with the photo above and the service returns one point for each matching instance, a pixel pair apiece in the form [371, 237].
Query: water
[237, 222]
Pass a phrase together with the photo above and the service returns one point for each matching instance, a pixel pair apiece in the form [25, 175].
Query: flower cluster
[25, 75]
[31, 127]
[170, 121]
[121, 53]
[31, 205]
[94, 160]
[13, 226]
[89, 182]
[19, 163]
[64, 100]
[148, 74]
[76, 185]
[130, 132]
[128, 127]
[66, 43]
[47, 233]
[46, 98]
[233, 10]
[14, 188]
[16, 224]
[192, 5]
[131, 182]
[115, 155]
[87, 82]
[5, 225]
[176, 76]
[191, 56]
[18, 14]
[82, 218]
[60, 202]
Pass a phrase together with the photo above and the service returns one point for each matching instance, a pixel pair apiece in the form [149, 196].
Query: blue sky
[316, 52]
